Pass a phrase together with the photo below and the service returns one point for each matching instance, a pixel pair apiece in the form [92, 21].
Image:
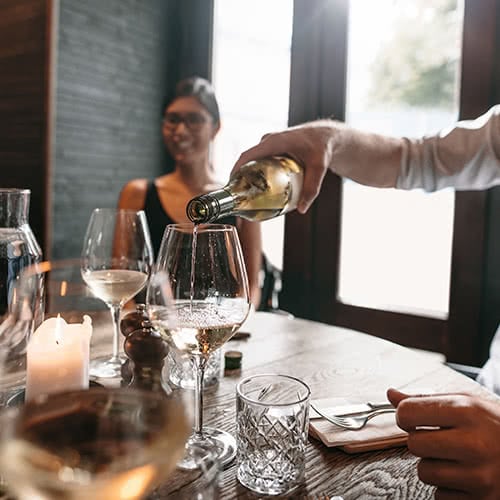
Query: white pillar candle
[58, 357]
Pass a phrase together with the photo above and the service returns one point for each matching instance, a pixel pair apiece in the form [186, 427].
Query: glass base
[270, 478]
[220, 443]
[201, 483]
[106, 367]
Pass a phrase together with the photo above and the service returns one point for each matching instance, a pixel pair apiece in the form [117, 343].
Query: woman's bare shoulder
[133, 194]
[167, 181]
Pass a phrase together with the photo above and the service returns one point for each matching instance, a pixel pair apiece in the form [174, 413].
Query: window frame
[311, 256]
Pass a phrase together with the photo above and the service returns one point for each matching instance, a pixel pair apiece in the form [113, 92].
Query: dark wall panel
[111, 78]
[24, 54]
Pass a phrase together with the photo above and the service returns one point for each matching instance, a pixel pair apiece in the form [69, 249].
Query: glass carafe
[18, 249]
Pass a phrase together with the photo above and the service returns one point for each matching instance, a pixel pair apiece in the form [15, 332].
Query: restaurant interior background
[81, 88]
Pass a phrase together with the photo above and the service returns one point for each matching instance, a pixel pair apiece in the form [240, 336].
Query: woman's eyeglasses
[193, 121]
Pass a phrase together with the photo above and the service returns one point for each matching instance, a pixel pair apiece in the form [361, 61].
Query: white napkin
[379, 433]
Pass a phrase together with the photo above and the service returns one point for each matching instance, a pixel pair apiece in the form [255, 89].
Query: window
[327, 80]
[251, 74]
[403, 79]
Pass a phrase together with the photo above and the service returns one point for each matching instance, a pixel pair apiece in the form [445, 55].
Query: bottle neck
[14, 207]
[211, 206]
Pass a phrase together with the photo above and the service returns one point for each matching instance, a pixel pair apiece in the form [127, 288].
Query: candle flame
[64, 288]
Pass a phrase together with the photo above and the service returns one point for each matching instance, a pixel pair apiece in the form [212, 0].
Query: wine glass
[100, 443]
[116, 261]
[198, 298]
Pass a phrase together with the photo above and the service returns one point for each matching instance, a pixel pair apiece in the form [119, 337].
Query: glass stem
[199, 363]
[115, 317]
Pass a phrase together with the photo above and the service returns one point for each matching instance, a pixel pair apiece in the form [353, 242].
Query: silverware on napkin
[349, 410]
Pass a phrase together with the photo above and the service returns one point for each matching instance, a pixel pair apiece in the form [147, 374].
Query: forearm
[466, 156]
[367, 158]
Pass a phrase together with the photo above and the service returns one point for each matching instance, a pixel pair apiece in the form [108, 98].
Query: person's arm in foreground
[465, 157]
[462, 457]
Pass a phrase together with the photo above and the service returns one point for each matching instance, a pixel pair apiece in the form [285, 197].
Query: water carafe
[18, 249]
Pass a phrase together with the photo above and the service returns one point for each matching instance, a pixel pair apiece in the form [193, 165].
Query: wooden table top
[334, 362]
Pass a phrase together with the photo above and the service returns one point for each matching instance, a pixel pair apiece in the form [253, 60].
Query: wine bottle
[259, 190]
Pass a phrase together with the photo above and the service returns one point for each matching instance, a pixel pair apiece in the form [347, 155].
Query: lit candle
[58, 357]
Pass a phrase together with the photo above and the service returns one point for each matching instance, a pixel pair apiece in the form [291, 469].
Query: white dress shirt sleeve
[465, 157]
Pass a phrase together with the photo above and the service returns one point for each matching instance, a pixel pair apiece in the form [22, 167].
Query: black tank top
[158, 219]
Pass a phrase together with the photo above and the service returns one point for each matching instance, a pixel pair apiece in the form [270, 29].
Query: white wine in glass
[116, 262]
[198, 298]
[115, 286]
[98, 444]
[202, 327]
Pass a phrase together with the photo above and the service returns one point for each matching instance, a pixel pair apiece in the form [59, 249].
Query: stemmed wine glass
[100, 443]
[116, 261]
[198, 298]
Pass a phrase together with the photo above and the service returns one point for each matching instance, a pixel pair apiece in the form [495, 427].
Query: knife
[349, 410]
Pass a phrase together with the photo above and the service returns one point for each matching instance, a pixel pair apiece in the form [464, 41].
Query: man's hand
[310, 145]
[458, 438]
[367, 158]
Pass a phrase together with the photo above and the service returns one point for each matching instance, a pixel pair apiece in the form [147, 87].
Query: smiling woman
[189, 125]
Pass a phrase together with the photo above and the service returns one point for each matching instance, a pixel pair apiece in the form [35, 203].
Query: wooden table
[336, 362]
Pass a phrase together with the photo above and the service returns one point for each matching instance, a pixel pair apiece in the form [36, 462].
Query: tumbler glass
[272, 417]
[179, 370]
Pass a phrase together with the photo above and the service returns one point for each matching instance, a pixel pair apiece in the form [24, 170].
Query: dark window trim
[312, 241]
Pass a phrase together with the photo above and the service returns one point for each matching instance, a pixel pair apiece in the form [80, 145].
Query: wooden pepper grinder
[146, 351]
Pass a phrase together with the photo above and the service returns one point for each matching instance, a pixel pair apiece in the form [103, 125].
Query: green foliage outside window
[416, 65]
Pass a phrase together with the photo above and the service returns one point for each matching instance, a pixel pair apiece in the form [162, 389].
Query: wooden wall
[25, 29]
[112, 74]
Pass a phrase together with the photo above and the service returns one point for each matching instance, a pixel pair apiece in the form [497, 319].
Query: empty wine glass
[100, 443]
[116, 262]
[198, 298]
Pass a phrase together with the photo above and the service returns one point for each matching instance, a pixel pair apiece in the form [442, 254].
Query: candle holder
[64, 317]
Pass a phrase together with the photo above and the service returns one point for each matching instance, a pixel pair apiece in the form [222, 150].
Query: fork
[352, 423]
